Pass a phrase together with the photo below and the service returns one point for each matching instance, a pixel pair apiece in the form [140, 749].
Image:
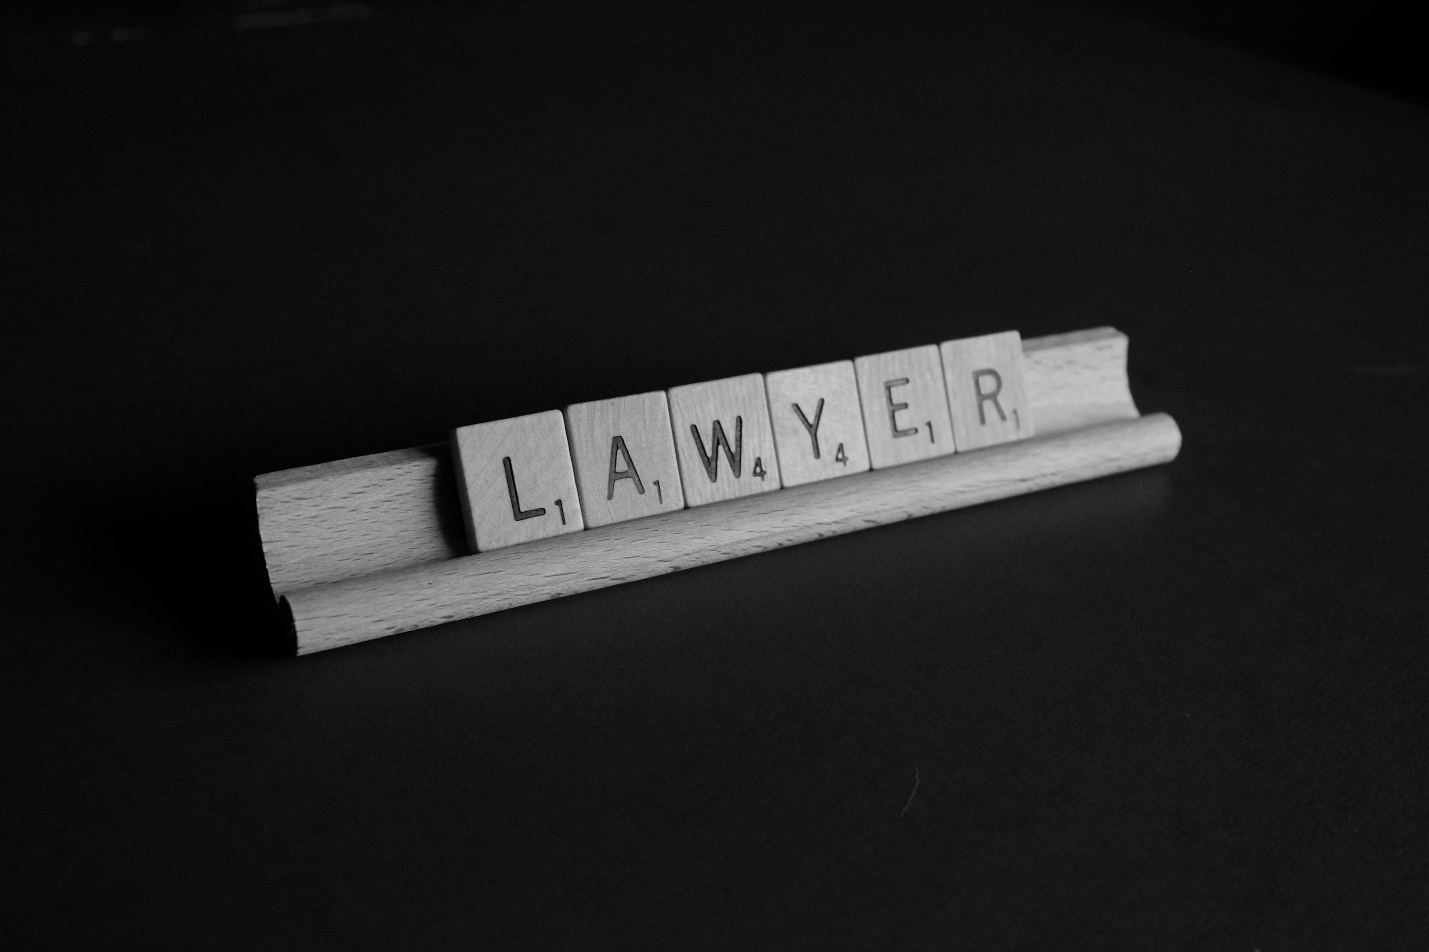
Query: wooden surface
[905, 406]
[342, 613]
[818, 422]
[734, 413]
[1077, 378]
[986, 394]
[353, 517]
[516, 481]
[624, 457]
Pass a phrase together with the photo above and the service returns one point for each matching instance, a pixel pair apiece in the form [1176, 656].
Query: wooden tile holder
[374, 546]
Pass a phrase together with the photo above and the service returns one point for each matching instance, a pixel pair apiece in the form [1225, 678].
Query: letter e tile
[624, 458]
[515, 480]
[905, 408]
[818, 424]
[985, 390]
[723, 439]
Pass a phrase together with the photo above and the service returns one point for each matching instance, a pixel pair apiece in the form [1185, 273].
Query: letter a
[617, 450]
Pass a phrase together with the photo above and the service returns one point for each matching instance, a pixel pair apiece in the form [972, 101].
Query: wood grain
[986, 394]
[516, 481]
[353, 517]
[1077, 379]
[624, 457]
[723, 439]
[342, 613]
[905, 406]
[818, 422]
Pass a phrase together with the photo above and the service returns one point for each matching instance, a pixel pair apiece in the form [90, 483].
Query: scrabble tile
[818, 423]
[905, 408]
[515, 480]
[723, 439]
[624, 457]
[985, 390]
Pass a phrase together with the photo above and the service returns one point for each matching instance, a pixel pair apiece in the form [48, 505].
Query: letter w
[711, 459]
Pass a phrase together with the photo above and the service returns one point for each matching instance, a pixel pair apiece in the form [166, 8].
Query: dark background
[1176, 708]
[1374, 43]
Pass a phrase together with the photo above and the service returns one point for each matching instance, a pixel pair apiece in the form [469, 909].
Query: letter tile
[723, 439]
[515, 480]
[985, 390]
[818, 423]
[624, 458]
[905, 407]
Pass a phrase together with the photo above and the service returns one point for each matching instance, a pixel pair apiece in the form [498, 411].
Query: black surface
[1181, 708]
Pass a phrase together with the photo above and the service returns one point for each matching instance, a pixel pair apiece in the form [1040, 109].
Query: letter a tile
[624, 458]
[905, 408]
[985, 390]
[515, 480]
[723, 439]
[818, 425]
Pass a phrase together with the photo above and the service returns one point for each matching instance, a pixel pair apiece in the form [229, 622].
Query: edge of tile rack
[355, 517]
[386, 602]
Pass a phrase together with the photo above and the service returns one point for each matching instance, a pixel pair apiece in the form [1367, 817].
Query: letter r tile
[624, 458]
[515, 480]
[985, 390]
[723, 439]
[905, 408]
[818, 426]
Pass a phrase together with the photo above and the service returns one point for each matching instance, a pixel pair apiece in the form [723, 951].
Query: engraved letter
[517, 512]
[984, 396]
[617, 448]
[893, 408]
[711, 459]
[813, 428]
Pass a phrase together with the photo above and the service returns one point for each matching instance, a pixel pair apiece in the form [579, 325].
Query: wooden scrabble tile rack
[375, 545]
